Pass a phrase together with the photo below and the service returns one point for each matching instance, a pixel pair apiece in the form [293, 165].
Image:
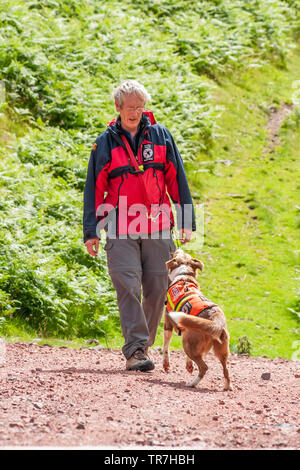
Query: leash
[139, 171]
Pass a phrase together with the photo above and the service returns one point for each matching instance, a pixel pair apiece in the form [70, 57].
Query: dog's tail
[190, 322]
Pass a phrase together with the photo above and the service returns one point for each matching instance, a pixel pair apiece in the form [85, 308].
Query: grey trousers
[137, 268]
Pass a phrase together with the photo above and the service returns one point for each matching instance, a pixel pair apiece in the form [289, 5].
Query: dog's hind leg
[166, 358]
[223, 360]
[202, 371]
[222, 353]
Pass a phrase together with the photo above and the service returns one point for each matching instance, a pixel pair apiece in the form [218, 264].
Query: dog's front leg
[202, 370]
[189, 365]
[166, 357]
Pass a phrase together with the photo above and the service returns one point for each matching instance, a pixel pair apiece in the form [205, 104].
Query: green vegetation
[214, 69]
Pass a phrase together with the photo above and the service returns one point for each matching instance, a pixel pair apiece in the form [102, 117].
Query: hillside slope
[214, 70]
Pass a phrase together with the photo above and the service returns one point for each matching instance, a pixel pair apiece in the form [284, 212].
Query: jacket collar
[115, 128]
[146, 114]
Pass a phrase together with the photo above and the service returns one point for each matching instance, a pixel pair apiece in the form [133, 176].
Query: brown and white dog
[201, 322]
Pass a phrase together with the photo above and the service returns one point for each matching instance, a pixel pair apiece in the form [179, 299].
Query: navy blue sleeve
[89, 214]
[99, 157]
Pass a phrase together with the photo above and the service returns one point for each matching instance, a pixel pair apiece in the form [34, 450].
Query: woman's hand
[92, 246]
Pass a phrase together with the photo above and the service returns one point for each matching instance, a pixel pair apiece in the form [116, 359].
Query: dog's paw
[194, 382]
[166, 365]
[189, 366]
[190, 384]
[227, 388]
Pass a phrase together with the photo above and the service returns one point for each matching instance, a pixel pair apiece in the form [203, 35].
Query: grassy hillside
[214, 69]
[250, 195]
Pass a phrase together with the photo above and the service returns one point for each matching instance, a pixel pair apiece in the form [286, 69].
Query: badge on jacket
[148, 153]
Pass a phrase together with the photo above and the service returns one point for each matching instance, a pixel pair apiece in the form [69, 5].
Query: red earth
[84, 398]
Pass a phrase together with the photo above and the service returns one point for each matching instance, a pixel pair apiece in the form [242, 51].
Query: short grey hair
[130, 87]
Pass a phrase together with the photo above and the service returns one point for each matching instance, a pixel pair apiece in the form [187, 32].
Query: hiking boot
[139, 361]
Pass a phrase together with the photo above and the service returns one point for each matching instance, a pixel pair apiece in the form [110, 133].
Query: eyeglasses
[134, 110]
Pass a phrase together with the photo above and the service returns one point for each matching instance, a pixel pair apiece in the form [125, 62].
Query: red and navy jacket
[111, 176]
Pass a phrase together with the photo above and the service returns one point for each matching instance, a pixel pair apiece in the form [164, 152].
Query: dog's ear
[196, 264]
[171, 264]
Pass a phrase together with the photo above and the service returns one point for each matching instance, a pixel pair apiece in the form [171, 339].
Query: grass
[16, 330]
[251, 242]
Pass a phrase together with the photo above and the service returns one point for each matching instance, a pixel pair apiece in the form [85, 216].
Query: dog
[200, 321]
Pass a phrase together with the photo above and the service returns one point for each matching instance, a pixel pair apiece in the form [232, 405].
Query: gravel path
[62, 397]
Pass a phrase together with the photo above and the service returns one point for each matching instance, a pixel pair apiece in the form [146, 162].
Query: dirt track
[58, 397]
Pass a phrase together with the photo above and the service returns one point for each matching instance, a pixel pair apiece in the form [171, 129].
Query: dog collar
[181, 274]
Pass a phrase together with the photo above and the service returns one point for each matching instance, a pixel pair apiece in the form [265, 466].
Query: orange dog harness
[185, 297]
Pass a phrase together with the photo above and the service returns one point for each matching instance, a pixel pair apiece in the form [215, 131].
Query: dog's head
[183, 263]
